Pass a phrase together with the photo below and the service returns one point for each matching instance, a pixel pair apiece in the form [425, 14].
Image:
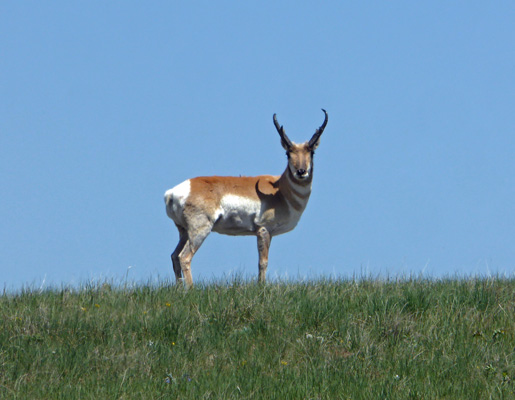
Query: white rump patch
[175, 198]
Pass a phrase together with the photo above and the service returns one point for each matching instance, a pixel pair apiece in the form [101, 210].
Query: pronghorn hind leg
[183, 238]
[263, 242]
[195, 239]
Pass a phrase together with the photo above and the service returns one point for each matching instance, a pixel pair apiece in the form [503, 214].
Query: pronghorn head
[300, 156]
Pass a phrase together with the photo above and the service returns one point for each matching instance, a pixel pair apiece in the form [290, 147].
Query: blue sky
[105, 105]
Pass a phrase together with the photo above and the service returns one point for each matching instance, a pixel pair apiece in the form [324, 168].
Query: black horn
[318, 132]
[286, 140]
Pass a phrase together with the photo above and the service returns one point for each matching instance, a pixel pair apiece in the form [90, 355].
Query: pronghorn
[264, 206]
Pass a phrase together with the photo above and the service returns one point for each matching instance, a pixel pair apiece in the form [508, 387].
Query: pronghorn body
[263, 206]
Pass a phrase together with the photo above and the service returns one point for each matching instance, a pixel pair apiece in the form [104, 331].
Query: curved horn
[318, 132]
[286, 140]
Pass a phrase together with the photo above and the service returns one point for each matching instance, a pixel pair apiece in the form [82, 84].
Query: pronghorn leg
[183, 238]
[194, 241]
[263, 241]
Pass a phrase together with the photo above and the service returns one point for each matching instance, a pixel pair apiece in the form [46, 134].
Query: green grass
[363, 339]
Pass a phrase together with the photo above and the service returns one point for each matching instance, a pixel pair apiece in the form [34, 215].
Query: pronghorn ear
[315, 140]
[286, 145]
[285, 140]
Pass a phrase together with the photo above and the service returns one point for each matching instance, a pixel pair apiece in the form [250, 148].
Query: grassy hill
[362, 339]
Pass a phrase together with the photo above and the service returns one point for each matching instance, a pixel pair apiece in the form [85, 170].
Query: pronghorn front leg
[263, 241]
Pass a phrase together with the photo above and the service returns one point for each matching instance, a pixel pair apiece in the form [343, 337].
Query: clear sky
[106, 105]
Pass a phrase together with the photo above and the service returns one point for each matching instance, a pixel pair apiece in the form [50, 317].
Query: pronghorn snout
[302, 173]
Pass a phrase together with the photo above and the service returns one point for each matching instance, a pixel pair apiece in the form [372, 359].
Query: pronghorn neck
[295, 191]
